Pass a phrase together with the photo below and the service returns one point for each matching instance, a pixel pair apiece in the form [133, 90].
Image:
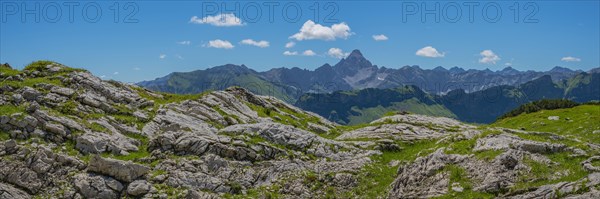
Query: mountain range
[484, 106]
[350, 73]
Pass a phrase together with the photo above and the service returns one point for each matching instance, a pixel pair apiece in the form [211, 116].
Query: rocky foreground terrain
[68, 134]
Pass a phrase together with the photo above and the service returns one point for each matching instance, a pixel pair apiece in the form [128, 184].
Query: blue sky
[162, 37]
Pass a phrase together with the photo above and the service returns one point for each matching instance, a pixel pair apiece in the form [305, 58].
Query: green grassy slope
[581, 121]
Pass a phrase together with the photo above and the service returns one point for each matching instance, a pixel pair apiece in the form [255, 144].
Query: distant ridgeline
[354, 72]
[352, 107]
[356, 91]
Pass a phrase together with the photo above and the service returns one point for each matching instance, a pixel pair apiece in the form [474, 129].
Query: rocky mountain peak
[509, 71]
[440, 69]
[456, 69]
[559, 69]
[540, 82]
[355, 54]
[351, 64]
[231, 67]
[508, 68]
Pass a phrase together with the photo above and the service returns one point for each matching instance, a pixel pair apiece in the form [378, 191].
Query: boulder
[7, 191]
[120, 170]
[96, 186]
[67, 92]
[57, 129]
[17, 98]
[30, 94]
[96, 142]
[421, 179]
[589, 166]
[505, 141]
[138, 188]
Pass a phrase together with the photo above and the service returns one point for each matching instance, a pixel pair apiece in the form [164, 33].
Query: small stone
[159, 178]
[63, 91]
[140, 115]
[394, 163]
[30, 93]
[17, 98]
[55, 128]
[54, 69]
[138, 188]
[34, 106]
[554, 118]
[456, 187]
[114, 184]
[4, 119]
[10, 144]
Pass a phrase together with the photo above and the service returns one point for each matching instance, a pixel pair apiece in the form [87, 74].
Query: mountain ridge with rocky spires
[350, 73]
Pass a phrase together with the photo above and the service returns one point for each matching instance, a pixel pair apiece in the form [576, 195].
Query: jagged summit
[560, 69]
[456, 70]
[231, 68]
[509, 71]
[354, 71]
[355, 54]
[440, 69]
[354, 62]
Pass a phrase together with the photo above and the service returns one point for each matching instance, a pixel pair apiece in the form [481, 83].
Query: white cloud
[304, 53]
[184, 42]
[137, 68]
[337, 53]
[570, 59]
[262, 44]
[508, 64]
[290, 53]
[290, 44]
[309, 53]
[224, 20]
[162, 56]
[103, 76]
[224, 44]
[380, 37]
[179, 57]
[488, 57]
[429, 51]
[310, 30]
[115, 73]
